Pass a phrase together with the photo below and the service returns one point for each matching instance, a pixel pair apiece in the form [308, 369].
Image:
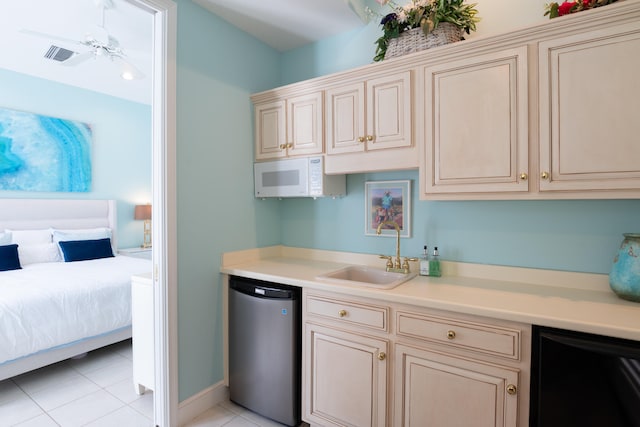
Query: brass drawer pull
[451, 334]
[342, 313]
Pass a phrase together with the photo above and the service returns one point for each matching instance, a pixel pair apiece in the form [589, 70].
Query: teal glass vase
[624, 277]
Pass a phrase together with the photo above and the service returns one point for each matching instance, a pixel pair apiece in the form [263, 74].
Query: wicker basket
[414, 40]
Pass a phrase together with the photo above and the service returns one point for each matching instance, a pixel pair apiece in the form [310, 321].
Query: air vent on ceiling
[57, 53]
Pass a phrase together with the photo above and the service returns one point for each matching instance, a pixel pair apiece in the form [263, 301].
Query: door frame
[164, 228]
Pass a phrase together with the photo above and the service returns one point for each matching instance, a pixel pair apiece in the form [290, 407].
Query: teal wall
[218, 67]
[120, 150]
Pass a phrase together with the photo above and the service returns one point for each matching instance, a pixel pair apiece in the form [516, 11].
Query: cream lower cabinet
[445, 369]
[347, 376]
[476, 124]
[589, 103]
[442, 390]
[345, 362]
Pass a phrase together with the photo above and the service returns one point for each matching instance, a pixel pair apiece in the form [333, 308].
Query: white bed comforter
[50, 304]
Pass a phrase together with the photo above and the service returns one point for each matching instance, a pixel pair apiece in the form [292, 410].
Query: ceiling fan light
[127, 75]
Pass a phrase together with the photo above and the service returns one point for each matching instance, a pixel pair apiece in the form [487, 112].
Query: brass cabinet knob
[342, 313]
[512, 389]
[289, 145]
[544, 175]
[361, 139]
[451, 334]
[382, 355]
[283, 146]
[523, 176]
[369, 138]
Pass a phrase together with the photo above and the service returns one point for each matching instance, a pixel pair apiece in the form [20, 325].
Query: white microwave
[301, 177]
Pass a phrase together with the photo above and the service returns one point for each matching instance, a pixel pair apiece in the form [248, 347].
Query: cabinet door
[436, 389]
[304, 125]
[476, 124]
[589, 104]
[389, 112]
[345, 119]
[345, 378]
[270, 130]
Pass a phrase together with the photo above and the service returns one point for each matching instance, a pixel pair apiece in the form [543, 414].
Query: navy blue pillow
[83, 250]
[9, 258]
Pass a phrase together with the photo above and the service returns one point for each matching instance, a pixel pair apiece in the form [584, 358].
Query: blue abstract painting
[41, 153]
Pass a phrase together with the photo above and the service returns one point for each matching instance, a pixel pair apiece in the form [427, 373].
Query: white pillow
[30, 237]
[32, 254]
[78, 234]
[5, 238]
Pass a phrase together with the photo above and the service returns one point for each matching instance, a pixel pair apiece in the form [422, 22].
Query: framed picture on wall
[386, 203]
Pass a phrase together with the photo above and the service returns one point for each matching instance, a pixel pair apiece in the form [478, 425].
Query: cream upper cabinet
[476, 124]
[270, 130]
[291, 126]
[439, 389]
[589, 105]
[304, 125]
[345, 119]
[369, 125]
[370, 115]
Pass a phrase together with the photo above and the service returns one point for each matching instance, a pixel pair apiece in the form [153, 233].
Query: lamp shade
[142, 212]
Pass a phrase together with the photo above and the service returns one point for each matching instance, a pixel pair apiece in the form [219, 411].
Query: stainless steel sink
[359, 275]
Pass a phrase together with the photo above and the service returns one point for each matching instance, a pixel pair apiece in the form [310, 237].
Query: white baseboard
[195, 405]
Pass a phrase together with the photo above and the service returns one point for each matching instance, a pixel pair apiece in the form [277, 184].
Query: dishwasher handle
[261, 289]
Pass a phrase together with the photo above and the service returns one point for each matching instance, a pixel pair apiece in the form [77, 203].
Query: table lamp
[144, 212]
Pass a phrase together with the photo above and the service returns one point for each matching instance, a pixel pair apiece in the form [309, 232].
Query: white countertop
[575, 301]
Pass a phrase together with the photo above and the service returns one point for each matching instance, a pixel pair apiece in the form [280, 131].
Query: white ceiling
[288, 24]
[282, 24]
[73, 19]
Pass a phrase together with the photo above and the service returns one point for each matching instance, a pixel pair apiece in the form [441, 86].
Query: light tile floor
[97, 391]
[228, 414]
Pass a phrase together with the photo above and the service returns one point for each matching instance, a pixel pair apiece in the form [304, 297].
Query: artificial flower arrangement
[426, 14]
[554, 9]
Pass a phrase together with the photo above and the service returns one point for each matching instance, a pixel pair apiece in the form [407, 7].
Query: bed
[69, 296]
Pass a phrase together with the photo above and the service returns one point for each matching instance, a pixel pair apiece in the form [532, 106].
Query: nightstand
[137, 252]
[142, 335]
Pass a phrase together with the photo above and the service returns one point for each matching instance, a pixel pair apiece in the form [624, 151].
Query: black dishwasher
[265, 348]
[584, 380]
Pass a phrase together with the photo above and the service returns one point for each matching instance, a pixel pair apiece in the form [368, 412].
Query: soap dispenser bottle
[424, 263]
[434, 264]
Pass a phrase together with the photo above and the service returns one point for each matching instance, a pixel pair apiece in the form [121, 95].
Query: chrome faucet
[396, 267]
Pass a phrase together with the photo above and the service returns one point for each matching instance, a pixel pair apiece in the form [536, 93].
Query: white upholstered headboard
[32, 214]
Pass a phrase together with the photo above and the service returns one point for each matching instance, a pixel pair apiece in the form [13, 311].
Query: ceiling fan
[101, 46]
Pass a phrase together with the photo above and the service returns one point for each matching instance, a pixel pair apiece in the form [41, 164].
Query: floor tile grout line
[44, 412]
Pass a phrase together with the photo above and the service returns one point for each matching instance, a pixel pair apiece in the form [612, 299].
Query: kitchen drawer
[478, 337]
[370, 316]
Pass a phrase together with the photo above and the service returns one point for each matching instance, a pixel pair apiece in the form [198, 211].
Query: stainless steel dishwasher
[265, 345]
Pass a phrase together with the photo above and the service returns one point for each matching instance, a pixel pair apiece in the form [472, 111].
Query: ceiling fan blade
[49, 36]
[78, 58]
[128, 71]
